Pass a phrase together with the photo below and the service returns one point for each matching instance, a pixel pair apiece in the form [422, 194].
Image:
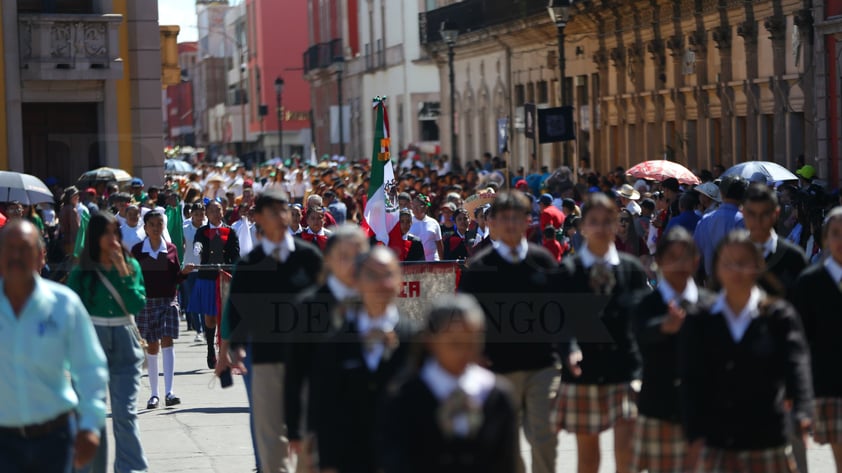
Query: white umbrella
[772, 171]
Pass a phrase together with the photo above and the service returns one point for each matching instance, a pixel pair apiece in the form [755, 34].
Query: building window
[520, 95]
[542, 92]
[368, 64]
[381, 56]
[530, 92]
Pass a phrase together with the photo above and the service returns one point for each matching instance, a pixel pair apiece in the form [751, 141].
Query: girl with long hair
[110, 283]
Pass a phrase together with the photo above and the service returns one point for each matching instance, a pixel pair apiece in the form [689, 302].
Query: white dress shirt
[287, 246]
[154, 252]
[770, 245]
[339, 290]
[476, 382]
[834, 269]
[589, 259]
[512, 255]
[132, 235]
[690, 294]
[386, 323]
[738, 323]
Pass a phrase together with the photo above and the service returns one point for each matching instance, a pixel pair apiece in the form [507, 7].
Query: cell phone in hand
[225, 378]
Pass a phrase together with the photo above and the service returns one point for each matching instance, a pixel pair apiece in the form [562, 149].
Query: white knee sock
[152, 362]
[169, 368]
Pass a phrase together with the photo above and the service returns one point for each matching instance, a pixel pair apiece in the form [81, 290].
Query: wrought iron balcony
[322, 55]
[69, 47]
[473, 15]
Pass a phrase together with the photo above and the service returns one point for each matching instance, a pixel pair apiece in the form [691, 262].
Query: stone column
[776, 25]
[11, 62]
[145, 78]
[748, 31]
[804, 21]
[722, 38]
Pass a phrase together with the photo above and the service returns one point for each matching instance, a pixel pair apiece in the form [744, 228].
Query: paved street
[209, 432]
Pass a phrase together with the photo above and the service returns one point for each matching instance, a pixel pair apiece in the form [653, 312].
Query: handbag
[117, 297]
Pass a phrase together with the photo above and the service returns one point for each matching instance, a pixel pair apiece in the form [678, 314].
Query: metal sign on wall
[530, 120]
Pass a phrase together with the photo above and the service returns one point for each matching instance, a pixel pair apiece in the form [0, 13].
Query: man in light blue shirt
[45, 333]
[715, 226]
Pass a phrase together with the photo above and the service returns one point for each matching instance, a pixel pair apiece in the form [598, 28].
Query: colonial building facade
[80, 87]
[702, 82]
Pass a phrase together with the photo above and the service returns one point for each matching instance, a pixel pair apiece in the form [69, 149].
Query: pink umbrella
[661, 169]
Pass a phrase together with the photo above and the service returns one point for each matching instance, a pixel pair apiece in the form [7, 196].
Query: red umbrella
[661, 169]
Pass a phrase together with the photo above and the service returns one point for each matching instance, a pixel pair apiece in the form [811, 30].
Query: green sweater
[100, 303]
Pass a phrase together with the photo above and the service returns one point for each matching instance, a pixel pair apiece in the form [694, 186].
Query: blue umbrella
[772, 171]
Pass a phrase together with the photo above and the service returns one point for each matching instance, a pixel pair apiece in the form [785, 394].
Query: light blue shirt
[52, 337]
[712, 228]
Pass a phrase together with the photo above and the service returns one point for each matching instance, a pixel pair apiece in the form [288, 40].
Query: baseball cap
[546, 199]
[136, 182]
[91, 190]
[806, 172]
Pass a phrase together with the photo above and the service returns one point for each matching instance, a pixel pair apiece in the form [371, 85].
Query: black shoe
[172, 400]
[153, 402]
[211, 361]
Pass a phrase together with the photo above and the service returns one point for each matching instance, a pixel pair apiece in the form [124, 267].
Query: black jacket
[317, 309]
[819, 301]
[615, 358]
[455, 247]
[411, 441]
[350, 397]
[782, 268]
[733, 393]
[261, 305]
[514, 298]
[660, 393]
[219, 246]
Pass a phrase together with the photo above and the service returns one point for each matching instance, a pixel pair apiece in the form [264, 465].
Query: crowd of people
[696, 321]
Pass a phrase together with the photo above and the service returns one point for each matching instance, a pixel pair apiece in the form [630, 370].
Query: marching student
[597, 394]
[451, 415]
[456, 243]
[260, 312]
[317, 308]
[356, 363]
[215, 243]
[158, 321]
[506, 274]
[818, 296]
[657, 318]
[315, 232]
[740, 357]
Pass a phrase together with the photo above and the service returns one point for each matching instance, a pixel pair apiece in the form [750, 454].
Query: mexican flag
[380, 216]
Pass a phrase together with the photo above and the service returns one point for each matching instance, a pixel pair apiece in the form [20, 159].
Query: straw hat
[628, 192]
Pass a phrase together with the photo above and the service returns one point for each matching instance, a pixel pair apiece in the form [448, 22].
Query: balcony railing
[69, 47]
[473, 15]
[322, 55]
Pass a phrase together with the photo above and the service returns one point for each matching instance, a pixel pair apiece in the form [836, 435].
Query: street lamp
[559, 11]
[339, 64]
[450, 34]
[279, 90]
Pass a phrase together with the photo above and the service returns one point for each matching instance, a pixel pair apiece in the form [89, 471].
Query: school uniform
[416, 249]
[610, 365]
[261, 312]
[355, 365]
[437, 422]
[317, 309]
[784, 262]
[818, 297]
[736, 371]
[219, 245]
[515, 287]
[455, 246]
[659, 444]
[319, 239]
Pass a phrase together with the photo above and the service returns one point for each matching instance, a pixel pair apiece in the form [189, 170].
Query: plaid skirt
[827, 423]
[158, 319]
[771, 460]
[659, 446]
[594, 408]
